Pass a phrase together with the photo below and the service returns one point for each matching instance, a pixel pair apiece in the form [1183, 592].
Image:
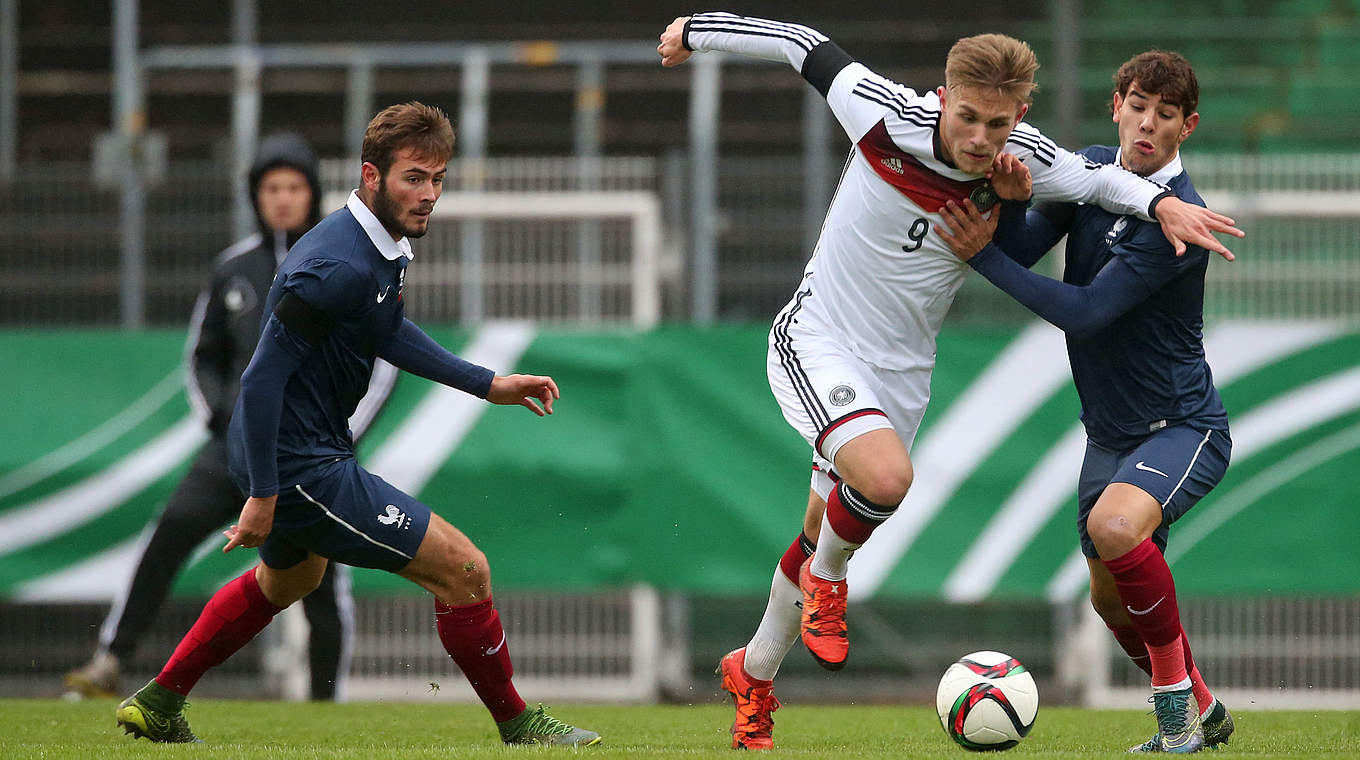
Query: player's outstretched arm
[412, 350]
[762, 38]
[534, 392]
[1185, 223]
[1078, 310]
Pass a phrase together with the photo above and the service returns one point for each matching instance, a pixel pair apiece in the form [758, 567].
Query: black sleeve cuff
[823, 63]
[1153, 203]
[684, 35]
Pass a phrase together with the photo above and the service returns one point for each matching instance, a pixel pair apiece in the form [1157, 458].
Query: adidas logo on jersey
[893, 165]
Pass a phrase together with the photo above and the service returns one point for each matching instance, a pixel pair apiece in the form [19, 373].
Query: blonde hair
[424, 129]
[994, 62]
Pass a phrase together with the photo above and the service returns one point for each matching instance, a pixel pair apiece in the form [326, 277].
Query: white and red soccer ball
[987, 701]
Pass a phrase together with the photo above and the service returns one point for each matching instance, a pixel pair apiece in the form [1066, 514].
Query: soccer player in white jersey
[851, 355]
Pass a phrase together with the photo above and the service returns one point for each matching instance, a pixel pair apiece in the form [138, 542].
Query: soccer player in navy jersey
[286, 193]
[1157, 432]
[335, 307]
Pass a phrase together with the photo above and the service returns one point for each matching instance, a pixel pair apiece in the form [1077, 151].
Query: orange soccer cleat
[755, 702]
[824, 618]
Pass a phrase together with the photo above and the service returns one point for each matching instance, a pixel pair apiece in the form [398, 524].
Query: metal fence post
[818, 175]
[245, 115]
[129, 120]
[9, 87]
[589, 115]
[1067, 60]
[359, 93]
[472, 120]
[704, 103]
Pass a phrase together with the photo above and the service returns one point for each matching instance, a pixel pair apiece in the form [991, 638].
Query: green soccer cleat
[139, 720]
[1178, 725]
[538, 727]
[1218, 725]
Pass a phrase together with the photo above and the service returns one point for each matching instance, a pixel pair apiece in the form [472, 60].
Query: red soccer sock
[237, 612]
[794, 556]
[1149, 594]
[853, 517]
[1203, 697]
[1133, 646]
[473, 637]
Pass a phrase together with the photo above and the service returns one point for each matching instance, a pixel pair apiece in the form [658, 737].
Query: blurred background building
[599, 196]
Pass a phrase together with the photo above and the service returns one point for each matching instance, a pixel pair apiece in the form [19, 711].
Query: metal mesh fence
[60, 261]
[1270, 648]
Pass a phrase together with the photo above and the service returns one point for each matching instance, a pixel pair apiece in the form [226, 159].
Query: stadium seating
[1275, 76]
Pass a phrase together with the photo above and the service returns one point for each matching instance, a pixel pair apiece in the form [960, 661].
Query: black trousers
[204, 501]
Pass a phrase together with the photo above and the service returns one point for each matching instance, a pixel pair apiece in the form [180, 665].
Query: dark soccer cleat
[1217, 724]
[536, 726]
[141, 721]
[823, 624]
[753, 727]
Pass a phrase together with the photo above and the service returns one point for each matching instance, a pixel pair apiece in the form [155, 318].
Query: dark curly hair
[1160, 72]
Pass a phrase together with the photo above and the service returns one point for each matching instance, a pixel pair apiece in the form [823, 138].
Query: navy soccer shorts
[1177, 466]
[347, 514]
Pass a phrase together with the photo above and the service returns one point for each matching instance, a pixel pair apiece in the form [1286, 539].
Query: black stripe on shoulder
[896, 108]
[823, 63]
[304, 320]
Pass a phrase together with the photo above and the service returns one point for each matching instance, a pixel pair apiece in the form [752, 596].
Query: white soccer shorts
[830, 396]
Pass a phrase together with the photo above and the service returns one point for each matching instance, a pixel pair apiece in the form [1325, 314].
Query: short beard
[388, 212]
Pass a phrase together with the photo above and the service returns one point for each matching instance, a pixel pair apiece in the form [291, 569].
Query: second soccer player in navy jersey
[1157, 432]
[335, 307]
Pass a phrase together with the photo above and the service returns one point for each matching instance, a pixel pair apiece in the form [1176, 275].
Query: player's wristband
[1152, 205]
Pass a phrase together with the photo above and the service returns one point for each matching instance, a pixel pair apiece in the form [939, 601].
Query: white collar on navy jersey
[389, 248]
[1164, 175]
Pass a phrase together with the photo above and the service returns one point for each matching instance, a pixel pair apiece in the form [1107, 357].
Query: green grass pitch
[56, 730]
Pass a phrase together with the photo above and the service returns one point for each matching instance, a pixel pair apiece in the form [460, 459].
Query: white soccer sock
[778, 629]
[1182, 686]
[832, 558]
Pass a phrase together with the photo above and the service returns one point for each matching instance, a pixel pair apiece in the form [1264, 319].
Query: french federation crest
[1115, 229]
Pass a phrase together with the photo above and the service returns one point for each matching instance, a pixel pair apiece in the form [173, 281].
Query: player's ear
[371, 176]
[1114, 107]
[1024, 109]
[1188, 127]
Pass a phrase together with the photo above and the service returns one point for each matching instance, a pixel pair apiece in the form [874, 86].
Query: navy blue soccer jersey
[336, 269]
[1134, 323]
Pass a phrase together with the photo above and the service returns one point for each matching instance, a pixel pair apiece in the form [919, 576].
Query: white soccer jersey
[881, 280]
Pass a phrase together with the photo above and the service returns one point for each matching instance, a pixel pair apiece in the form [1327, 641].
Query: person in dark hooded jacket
[225, 327]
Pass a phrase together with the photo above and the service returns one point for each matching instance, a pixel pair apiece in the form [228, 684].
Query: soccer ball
[987, 701]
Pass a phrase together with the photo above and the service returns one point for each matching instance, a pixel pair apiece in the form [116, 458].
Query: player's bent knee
[467, 576]
[1113, 534]
[887, 487]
